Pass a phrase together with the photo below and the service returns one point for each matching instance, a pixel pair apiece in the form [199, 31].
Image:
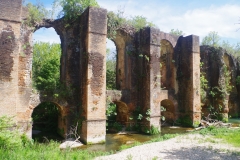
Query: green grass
[230, 136]
[48, 151]
[40, 151]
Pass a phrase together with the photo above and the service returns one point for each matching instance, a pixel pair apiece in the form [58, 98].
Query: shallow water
[235, 122]
[114, 141]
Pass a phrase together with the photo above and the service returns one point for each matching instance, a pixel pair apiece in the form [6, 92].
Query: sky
[197, 17]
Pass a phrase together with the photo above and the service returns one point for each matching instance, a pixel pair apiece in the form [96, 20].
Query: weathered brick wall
[10, 35]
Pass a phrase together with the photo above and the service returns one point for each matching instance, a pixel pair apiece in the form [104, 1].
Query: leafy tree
[111, 70]
[36, 13]
[46, 66]
[117, 20]
[230, 48]
[73, 8]
[176, 32]
[212, 39]
[139, 22]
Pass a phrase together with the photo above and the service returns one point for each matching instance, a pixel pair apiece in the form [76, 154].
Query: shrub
[9, 139]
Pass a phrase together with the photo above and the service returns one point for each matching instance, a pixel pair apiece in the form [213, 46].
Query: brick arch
[170, 110]
[63, 113]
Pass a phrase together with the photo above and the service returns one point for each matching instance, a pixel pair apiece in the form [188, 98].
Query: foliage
[9, 137]
[117, 21]
[203, 83]
[36, 14]
[47, 151]
[231, 136]
[227, 87]
[176, 32]
[111, 111]
[71, 9]
[111, 79]
[139, 22]
[212, 39]
[238, 80]
[111, 70]
[46, 66]
[154, 130]
[45, 117]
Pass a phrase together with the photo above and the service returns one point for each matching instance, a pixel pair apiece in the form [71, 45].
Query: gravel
[187, 147]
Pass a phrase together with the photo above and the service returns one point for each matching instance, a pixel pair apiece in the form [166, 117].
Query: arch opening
[167, 112]
[46, 119]
[46, 62]
[117, 116]
[46, 81]
[111, 65]
[168, 80]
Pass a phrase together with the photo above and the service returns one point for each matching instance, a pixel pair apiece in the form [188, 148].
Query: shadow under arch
[168, 111]
[48, 121]
[117, 116]
[122, 112]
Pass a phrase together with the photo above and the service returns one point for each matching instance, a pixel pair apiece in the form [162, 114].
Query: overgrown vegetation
[45, 120]
[47, 151]
[203, 83]
[71, 9]
[230, 136]
[36, 13]
[213, 39]
[10, 138]
[46, 66]
[177, 32]
[117, 21]
[111, 70]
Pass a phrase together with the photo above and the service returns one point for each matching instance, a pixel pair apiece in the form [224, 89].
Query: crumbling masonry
[153, 69]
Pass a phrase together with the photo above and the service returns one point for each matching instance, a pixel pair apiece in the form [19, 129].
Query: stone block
[10, 10]
[93, 131]
[97, 20]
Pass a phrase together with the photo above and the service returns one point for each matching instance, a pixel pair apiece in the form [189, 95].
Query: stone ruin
[153, 69]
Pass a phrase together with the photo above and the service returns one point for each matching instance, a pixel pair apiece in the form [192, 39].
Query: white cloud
[198, 21]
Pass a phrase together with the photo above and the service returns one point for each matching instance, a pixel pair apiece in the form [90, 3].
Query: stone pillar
[188, 76]
[151, 81]
[94, 88]
[15, 65]
[196, 97]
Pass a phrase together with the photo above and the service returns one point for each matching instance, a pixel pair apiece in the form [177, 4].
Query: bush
[10, 139]
[36, 14]
[46, 66]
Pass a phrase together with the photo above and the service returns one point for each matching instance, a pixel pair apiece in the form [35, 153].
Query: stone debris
[70, 144]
